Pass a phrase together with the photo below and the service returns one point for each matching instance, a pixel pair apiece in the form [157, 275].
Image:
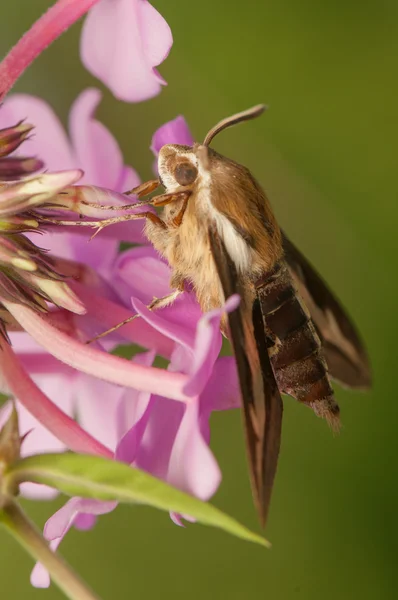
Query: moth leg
[153, 217]
[161, 200]
[165, 199]
[165, 301]
[144, 188]
[177, 220]
[154, 305]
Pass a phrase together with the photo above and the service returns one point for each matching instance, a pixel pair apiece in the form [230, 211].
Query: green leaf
[103, 479]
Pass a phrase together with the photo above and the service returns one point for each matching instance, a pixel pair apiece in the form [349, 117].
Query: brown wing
[262, 403]
[344, 350]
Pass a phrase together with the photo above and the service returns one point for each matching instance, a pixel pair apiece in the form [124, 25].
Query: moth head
[184, 166]
[178, 167]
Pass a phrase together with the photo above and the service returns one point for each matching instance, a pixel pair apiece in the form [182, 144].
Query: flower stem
[26, 534]
[48, 28]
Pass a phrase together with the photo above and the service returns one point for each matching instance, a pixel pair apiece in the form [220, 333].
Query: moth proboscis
[289, 334]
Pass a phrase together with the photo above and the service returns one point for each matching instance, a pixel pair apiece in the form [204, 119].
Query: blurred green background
[326, 152]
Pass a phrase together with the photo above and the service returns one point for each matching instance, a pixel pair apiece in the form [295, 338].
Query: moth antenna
[246, 115]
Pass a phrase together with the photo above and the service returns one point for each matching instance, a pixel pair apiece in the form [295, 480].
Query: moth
[289, 334]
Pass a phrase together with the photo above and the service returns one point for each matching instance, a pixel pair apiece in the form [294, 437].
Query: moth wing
[345, 353]
[262, 402]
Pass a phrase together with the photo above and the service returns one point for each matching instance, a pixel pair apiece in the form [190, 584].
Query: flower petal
[193, 467]
[76, 511]
[107, 313]
[172, 132]
[97, 151]
[207, 347]
[122, 41]
[61, 390]
[97, 408]
[134, 412]
[139, 272]
[161, 426]
[100, 157]
[158, 320]
[57, 525]
[222, 391]
[49, 140]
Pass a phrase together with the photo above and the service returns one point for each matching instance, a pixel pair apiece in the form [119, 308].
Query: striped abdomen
[294, 346]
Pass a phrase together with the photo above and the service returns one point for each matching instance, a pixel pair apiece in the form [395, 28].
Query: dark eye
[185, 173]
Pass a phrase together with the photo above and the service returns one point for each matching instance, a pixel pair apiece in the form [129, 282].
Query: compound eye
[185, 173]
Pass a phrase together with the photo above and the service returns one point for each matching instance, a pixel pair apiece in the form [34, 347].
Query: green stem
[25, 532]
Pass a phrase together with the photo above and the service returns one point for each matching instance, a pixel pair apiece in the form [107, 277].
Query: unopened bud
[60, 294]
[10, 449]
[33, 192]
[14, 168]
[12, 137]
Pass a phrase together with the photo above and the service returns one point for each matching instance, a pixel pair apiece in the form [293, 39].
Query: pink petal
[133, 404]
[107, 313]
[128, 179]
[207, 347]
[84, 521]
[60, 522]
[57, 526]
[172, 132]
[193, 467]
[134, 412]
[97, 408]
[49, 140]
[128, 448]
[162, 421]
[97, 151]
[222, 391]
[177, 519]
[122, 41]
[39, 440]
[158, 320]
[100, 157]
[156, 34]
[140, 273]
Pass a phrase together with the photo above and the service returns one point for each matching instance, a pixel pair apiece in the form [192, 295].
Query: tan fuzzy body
[225, 193]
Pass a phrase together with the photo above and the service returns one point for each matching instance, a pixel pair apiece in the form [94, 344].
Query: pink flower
[92, 148]
[137, 273]
[156, 420]
[173, 132]
[166, 438]
[60, 334]
[122, 42]
[148, 430]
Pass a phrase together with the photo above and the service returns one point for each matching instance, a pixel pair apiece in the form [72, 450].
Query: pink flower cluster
[82, 397]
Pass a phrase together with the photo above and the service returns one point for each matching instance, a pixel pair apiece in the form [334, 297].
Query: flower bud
[10, 451]
[12, 137]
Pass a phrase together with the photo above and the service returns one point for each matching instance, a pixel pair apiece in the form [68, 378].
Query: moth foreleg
[177, 220]
[165, 199]
[165, 301]
[144, 188]
[154, 305]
